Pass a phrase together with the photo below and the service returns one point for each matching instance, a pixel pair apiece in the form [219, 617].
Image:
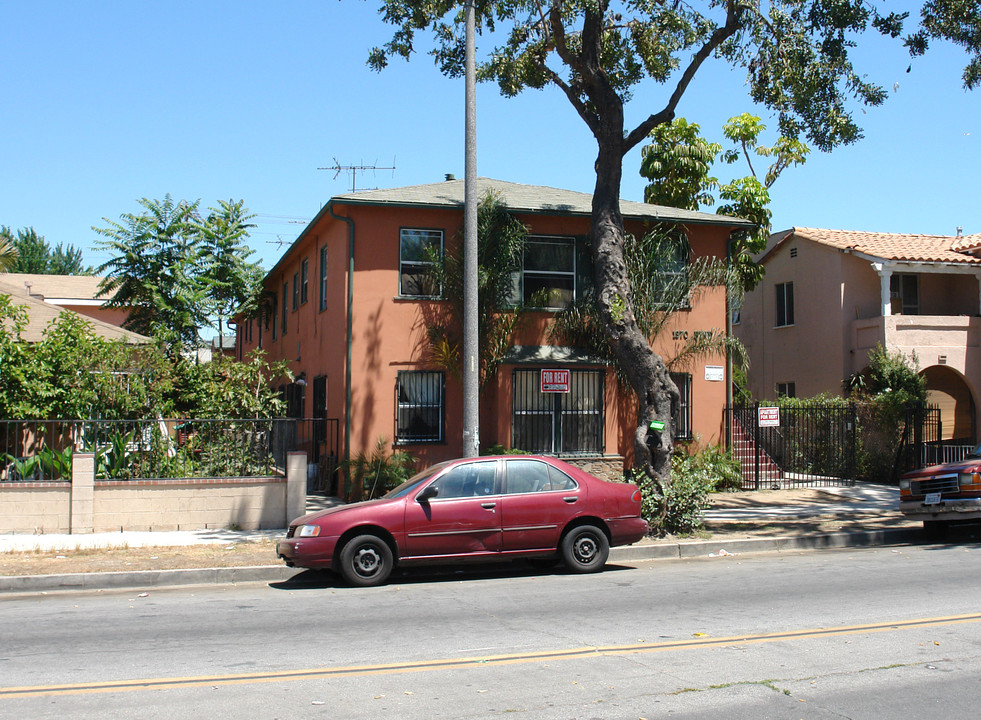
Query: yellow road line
[469, 662]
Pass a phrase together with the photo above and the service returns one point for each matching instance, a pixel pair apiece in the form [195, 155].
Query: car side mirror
[427, 494]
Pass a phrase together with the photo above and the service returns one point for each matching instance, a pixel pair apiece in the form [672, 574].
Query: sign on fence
[768, 417]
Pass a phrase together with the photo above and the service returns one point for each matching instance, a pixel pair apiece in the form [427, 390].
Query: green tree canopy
[176, 271]
[33, 254]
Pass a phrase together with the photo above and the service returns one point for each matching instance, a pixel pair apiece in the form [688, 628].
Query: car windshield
[415, 481]
[975, 453]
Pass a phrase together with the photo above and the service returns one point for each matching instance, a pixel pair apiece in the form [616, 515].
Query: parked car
[940, 494]
[489, 508]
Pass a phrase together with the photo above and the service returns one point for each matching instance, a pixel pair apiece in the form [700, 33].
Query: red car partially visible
[489, 508]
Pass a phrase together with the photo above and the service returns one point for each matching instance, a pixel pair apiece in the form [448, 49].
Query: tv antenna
[354, 170]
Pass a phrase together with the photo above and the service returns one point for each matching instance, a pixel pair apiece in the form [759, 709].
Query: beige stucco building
[830, 296]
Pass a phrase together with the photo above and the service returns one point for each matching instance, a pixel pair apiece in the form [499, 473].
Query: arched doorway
[947, 390]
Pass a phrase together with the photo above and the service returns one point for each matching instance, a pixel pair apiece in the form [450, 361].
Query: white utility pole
[471, 369]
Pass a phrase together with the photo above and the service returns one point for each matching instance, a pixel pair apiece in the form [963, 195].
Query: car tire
[366, 560]
[585, 549]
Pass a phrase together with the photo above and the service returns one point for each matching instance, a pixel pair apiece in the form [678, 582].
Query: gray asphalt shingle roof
[527, 198]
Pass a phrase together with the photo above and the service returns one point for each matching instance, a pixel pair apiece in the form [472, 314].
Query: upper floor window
[286, 291]
[304, 279]
[548, 272]
[323, 278]
[419, 398]
[904, 291]
[416, 251]
[785, 304]
[671, 276]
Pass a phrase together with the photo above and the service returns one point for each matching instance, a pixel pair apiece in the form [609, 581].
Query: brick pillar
[82, 514]
[296, 485]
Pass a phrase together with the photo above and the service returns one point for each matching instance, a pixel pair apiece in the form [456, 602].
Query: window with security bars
[419, 401]
[682, 419]
[558, 423]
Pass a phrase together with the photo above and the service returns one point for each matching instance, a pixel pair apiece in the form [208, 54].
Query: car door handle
[570, 498]
[488, 505]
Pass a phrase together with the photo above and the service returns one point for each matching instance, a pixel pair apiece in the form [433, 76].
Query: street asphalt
[861, 498]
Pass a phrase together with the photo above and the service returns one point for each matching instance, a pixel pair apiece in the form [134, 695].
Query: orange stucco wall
[389, 333]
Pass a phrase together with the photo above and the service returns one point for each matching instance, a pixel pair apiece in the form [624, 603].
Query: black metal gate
[795, 446]
[555, 423]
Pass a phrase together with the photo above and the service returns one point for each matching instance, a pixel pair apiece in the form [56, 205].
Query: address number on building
[555, 381]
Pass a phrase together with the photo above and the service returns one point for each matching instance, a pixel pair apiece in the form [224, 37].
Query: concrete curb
[139, 579]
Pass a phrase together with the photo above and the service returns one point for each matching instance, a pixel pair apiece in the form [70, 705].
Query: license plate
[932, 499]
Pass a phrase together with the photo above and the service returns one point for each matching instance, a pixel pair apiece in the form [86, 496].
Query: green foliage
[28, 252]
[678, 162]
[227, 388]
[676, 507]
[958, 21]
[499, 449]
[374, 473]
[500, 239]
[176, 272]
[72, 373]
[8, 251]
[892, 375]
[664, 281]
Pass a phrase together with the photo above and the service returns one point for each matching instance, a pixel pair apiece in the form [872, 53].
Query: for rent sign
[769, 416]
[555, 381]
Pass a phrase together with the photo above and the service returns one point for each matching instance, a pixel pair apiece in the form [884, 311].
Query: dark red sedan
[489, 508]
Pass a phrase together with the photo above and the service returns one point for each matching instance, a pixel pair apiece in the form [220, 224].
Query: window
[787, 389]
[304, 277]
[525, 476]
[295, 394]
[323, 278]
[296, 290]
[671, 276]
[286, 291]
[419, 406]
[785, 304]
[904, 289]
[548, 272]
[682, 417]
[553, 423]
[475, 479]
[416, 248]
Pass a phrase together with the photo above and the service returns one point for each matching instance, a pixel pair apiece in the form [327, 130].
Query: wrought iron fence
[921, 441]
[41, 450]
[810, 445]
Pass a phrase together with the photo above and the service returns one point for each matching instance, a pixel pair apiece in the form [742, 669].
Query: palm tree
[8, 251]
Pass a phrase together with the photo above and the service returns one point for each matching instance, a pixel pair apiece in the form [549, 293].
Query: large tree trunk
[656, 393]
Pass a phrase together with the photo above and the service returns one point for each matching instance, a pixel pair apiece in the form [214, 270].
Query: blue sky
[108, 102]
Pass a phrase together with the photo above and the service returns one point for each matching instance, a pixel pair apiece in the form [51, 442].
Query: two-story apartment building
[351, 308]
[830, 296]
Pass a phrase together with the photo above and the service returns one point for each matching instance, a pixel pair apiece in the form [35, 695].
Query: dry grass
[242, 554]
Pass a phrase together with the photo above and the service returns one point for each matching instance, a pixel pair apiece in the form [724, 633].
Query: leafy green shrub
[677, 508]
[499, 449]
[373, 474]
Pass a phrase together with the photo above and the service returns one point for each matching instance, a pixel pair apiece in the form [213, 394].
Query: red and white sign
[555, 381]
[769, 417]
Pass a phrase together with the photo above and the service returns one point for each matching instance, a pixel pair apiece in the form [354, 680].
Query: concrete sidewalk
[845, 502]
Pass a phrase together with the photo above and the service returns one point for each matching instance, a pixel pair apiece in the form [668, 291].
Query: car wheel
[366, 560]
[585, 549]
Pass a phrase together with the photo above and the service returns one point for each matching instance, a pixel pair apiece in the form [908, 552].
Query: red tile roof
[890, 246]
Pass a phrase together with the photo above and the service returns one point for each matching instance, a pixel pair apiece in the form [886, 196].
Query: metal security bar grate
[553, 423]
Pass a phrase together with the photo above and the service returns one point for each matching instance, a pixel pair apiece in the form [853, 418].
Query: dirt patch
[241, 554]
